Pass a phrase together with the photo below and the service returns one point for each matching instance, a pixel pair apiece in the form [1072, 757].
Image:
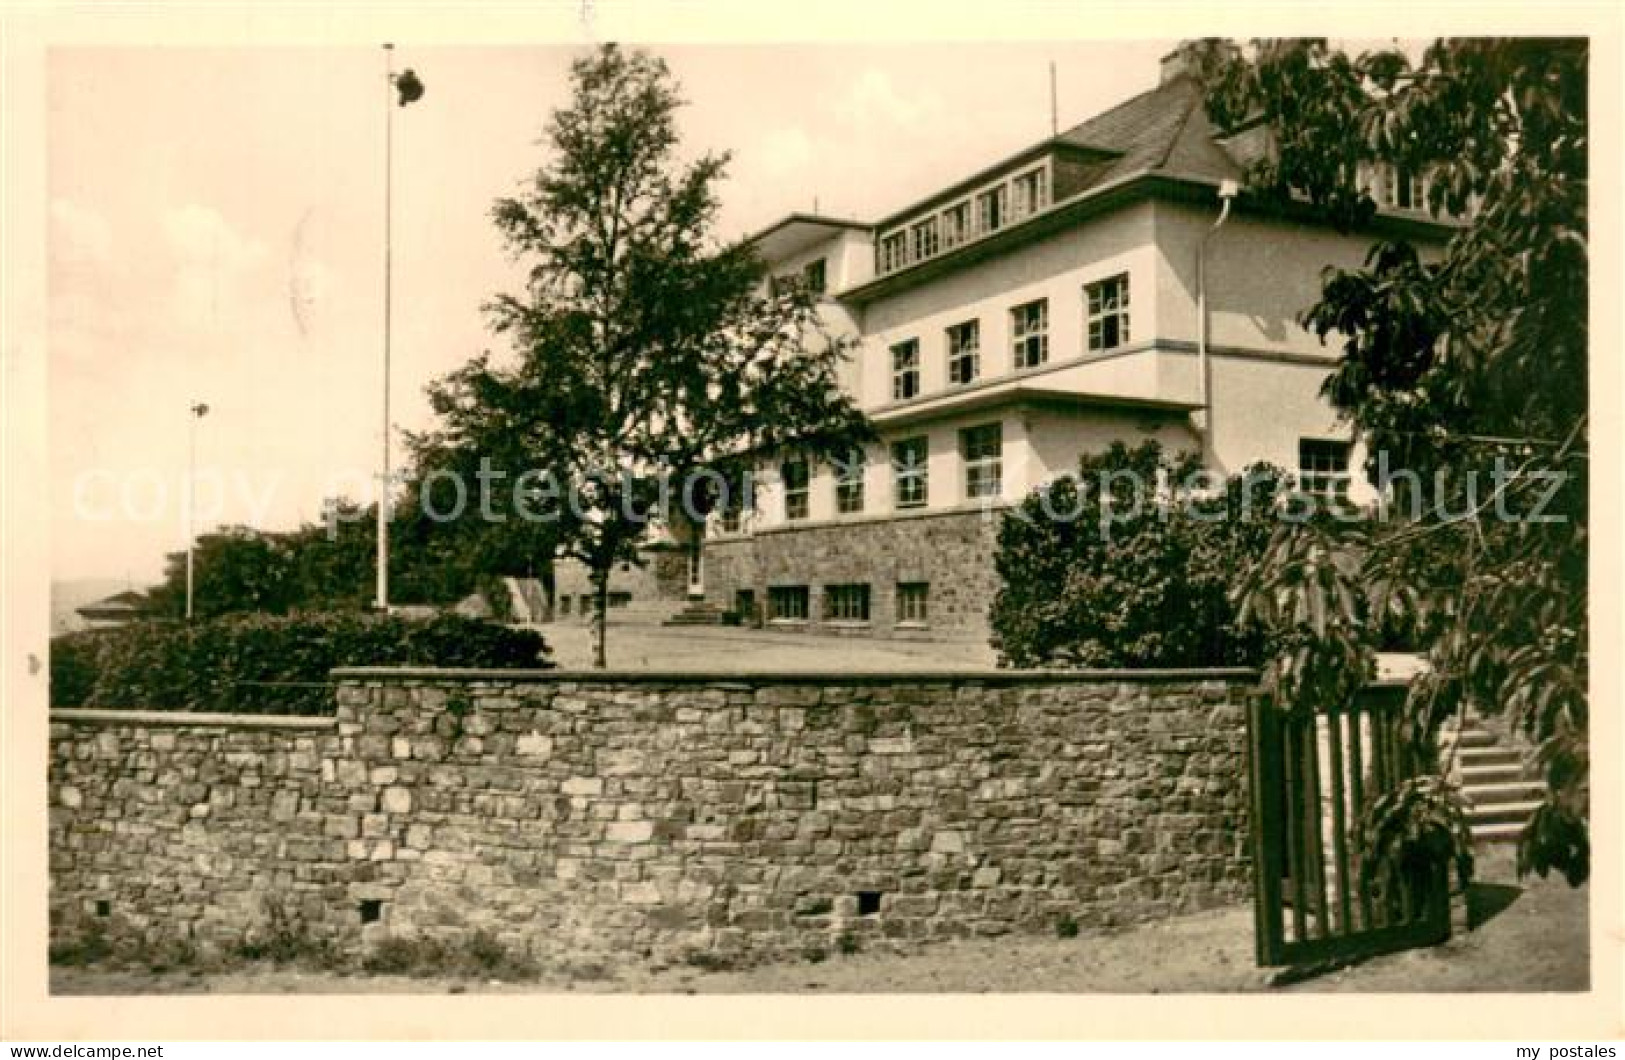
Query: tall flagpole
[198, 411]
[384, 482]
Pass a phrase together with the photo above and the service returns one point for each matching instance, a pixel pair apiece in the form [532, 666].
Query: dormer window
[925, 239]
[955, 225]
[893, 251]
[991, 208]
[1031, 192]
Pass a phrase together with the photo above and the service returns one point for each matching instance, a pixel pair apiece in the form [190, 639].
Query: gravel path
[1537, 940]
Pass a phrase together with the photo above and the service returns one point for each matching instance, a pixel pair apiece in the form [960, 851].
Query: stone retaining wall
[627, 816]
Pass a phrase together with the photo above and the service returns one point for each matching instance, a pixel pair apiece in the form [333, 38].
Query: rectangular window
[910, 475]
[1108, 312]
[1402, 189]
[955, 225]
[1029, 334]
[925, 239]
[983, 449]
[619, 600]
[812, 275]
[991, 207]
[787, 603]
[913, 603]
[893, 251]
[735, 499]
[846, 603]
[795, 474]
[849, 482]
[964, 352]
[1031, 193]
[1323, 467]
[905, 370]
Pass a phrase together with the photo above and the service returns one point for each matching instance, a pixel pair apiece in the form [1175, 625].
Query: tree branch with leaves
[1463, 368]
[645, 349]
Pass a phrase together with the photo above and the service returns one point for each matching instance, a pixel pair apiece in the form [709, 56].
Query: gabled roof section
[1165, 130]
[790, 235]
[128, 602]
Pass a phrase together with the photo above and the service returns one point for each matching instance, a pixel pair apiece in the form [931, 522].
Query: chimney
[1181, 62]
[1188, 59]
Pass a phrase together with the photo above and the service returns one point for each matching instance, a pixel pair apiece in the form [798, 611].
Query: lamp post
[407, 89]
[198, 411]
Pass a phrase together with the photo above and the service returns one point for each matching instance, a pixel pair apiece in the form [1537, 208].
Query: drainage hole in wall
[372, 910]
[868, 903]
[104, 907]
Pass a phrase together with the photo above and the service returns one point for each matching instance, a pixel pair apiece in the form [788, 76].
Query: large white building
[1060, 299]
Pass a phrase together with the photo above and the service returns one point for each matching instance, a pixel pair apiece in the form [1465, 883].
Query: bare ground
[1527, 937]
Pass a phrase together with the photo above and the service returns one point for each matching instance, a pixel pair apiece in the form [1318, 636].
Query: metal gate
[1312, 776]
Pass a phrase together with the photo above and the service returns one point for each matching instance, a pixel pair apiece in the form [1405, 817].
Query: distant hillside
[69, 594]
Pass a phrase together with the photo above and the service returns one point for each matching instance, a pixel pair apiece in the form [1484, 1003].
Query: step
[1503, 812]
[1496, 794]
[1477, 738]
[1488, 756]
[696, 615]
[1479, 775]
[1504, 832]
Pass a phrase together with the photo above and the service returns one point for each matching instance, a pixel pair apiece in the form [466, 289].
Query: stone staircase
[696, 613]
[1501, 796]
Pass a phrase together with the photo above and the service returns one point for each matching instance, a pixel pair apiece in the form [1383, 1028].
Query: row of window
[848, 603]
[970, 218]
[1323, 469]
[1106, 321]
[981, 451]
[616, 599]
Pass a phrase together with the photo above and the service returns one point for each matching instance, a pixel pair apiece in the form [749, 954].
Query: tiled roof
[1164, 130]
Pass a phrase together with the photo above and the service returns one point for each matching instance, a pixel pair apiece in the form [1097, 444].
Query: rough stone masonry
[622, 817]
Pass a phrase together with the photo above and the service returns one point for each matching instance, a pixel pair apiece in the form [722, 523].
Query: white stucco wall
[1056, 268]
[1266, 370]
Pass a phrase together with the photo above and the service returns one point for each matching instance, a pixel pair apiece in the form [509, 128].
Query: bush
[267, 664]
[74, 666]
[1130, 564]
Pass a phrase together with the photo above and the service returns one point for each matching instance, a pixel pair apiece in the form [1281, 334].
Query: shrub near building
[1131, 563]
[268, 664]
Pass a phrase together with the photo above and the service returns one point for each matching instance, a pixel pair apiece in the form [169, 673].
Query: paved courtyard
[646, 645]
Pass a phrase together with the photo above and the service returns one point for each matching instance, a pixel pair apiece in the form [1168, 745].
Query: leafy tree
[643, 350]
[235, 568]
[438, 556]
[1131, 563]
[1464, 369]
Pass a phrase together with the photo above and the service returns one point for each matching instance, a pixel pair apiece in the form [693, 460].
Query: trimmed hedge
[266, 664]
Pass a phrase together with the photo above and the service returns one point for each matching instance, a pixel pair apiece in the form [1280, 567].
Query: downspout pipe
[1228, 190]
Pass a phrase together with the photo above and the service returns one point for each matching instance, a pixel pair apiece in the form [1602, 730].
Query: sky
[216, 235]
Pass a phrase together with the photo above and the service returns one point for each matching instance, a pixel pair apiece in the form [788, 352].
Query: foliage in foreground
[1464, 369]
[266, 664]
[1128, 564]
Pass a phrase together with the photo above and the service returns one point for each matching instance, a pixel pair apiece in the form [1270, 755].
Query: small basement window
[372, 910]
[104, 908]
[868, 903]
